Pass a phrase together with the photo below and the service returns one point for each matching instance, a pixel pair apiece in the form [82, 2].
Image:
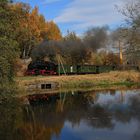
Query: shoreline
[112, 80]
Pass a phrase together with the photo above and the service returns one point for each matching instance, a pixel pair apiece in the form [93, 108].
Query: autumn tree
[33, 28]
[111, 59]
[24, 34]
[8, 44]
[53, 31]
[29, 32]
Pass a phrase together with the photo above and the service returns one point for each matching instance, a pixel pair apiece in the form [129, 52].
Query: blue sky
[79, 15]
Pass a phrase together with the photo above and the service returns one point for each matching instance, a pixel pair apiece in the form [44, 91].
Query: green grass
[86, 84]
[29, 77]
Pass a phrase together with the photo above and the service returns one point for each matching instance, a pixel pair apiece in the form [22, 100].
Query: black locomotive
[41, 67]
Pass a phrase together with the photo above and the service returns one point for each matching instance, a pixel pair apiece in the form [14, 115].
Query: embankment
[111, 80]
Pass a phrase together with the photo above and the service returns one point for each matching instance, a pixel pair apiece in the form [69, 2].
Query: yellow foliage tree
[33, 28]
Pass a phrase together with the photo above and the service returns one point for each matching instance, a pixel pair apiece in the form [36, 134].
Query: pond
[91, 115]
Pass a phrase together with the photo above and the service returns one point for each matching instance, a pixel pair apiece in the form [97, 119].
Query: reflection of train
[41, 67]
[38, 99]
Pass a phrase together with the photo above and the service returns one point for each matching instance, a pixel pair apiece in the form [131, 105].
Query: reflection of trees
[99, 117]
[37, 131]
[76, 107]
[92, 96]
[131, 110]
[112, 92]
[135, 112]
[82, 106]
[44, 120]
[122, 115]
[135, 106]
[41, 122]
[79, 107]
[10, 119]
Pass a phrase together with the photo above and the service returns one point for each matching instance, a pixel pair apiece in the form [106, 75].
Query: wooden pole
[120, 52]
[58, 65]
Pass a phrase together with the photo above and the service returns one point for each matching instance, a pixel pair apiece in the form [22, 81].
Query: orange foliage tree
[33, 28]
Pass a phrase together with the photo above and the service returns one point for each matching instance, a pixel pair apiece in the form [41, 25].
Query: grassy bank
[111, 80]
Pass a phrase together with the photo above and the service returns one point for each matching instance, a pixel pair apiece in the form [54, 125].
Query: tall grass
[104, 80]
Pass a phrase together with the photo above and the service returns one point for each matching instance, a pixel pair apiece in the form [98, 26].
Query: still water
[104, 115]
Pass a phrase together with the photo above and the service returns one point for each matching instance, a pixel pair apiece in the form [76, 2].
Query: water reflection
[107, 115]
[10, 119]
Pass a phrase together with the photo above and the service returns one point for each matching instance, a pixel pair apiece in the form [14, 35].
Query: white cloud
[86, 13]
[49, 1]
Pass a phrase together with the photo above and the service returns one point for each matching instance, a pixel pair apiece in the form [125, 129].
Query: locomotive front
[41, 67]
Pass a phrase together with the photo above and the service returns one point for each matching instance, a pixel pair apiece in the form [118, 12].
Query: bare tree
[131, 11]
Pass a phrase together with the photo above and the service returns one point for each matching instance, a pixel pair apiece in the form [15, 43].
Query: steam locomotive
[41, 67]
